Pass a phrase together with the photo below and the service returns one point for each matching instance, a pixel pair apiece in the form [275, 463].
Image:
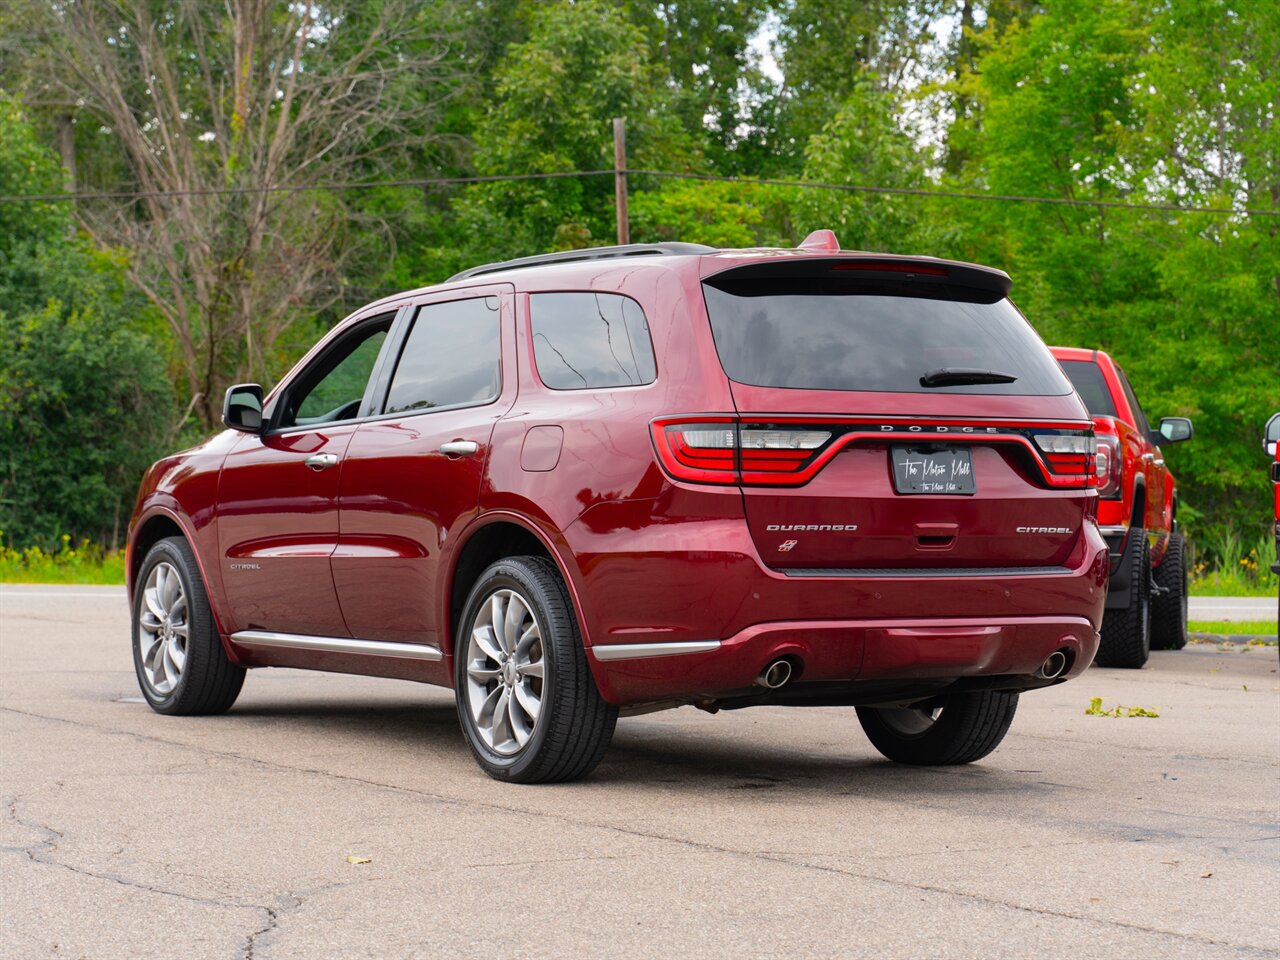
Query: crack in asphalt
[42, 853]
[783, 859]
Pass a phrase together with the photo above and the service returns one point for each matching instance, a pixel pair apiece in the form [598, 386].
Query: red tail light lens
[722, 451]
[1106, 476]
[1069, 455]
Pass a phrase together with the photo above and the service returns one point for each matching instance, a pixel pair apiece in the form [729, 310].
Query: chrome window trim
[269, 640]
[637, 651]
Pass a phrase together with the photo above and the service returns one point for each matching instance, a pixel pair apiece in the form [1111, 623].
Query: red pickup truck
[1271, 443]
[1137, 511]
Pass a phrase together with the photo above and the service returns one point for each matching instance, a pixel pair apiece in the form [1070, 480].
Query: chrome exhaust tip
[1053, 666]
[775, 675]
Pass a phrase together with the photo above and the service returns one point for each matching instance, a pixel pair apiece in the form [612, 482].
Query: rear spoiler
[877, 269]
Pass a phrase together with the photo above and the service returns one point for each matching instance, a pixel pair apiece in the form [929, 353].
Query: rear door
[412, 474]
[1152, 460]
[897, 420]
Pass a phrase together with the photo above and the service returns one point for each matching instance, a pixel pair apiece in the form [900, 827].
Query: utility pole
[620, 178]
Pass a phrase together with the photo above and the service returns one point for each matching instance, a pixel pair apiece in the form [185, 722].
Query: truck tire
[1169, 606]
[1126, 631]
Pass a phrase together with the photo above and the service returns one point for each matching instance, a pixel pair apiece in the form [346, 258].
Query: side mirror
[1175, 429]
[242, 408]
[1271, 435]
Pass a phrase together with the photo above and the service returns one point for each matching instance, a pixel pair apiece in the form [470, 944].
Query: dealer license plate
[917, 470]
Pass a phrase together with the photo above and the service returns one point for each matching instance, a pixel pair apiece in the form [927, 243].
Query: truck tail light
[721, 450]
[1108, 466]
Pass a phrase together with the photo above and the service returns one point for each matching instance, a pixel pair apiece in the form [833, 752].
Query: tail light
[1069, 455]
[1108, 466]
[728, 450]
[724, 451]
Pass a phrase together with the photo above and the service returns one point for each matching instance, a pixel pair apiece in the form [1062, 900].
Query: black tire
[1126, 631]
[208, 683]
[575, 724]
[969, 726]
[1169, 605]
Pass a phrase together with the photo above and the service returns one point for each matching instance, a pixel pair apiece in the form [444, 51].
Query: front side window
[586, 341]
[332, 388]
[451, 357]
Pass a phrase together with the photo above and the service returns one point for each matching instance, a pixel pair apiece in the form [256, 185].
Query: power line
[665, 174]
[297, 188]
[956, 195]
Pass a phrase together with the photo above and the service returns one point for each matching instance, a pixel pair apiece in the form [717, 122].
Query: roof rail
[589, 253]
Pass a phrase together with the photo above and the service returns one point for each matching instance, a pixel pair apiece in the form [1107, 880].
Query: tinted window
[1138, 415]
[1086, 376]
[842, 335]
[450, 358]
[583, 340]
[332, 388]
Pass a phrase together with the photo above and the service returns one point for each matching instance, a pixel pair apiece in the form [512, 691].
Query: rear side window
[450, 358]
[584, 341]
[836, 334]
[1138, 413]
[1086, 376]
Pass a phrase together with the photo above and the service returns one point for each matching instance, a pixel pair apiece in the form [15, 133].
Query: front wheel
[526, 699]
[954, 729]
[177, 653]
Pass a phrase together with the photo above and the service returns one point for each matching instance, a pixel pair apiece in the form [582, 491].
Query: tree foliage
[1111, 101]
[85, 402]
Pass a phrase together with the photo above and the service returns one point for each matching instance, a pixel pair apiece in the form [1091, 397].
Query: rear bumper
[849, 650]
[691, 581]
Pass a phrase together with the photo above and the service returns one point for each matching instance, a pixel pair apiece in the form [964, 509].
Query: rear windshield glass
[1087, 378]
[884, 337]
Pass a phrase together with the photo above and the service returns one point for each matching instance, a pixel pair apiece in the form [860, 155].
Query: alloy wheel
[164, 629]
[506, 672]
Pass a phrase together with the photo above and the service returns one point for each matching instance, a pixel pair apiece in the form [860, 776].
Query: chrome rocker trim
[636, 651]
[265, 639]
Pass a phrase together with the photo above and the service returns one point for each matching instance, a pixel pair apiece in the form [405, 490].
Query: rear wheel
[177, 653]
[526, 699]
[959, 728]
[1169, 606]
[1126, 631]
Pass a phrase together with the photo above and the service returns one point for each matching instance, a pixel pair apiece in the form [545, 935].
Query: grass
[1261, 628]
[1228, 566]
[84, 563]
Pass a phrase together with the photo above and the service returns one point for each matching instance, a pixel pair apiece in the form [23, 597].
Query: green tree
[85, 400]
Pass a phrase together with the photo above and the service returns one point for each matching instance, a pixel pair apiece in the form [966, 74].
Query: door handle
[1159, 461]
[460, 448]
[321, 461]
[1148, 457]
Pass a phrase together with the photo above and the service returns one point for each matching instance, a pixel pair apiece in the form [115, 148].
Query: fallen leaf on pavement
[359, 860]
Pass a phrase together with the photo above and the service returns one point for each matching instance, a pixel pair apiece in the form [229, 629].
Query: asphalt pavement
[332, 816]
[1232, 608]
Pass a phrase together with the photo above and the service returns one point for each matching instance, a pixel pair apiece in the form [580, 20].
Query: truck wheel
[526, 699]
[1169, 607]
[177, 653]
[954, 729]
[1126, 632]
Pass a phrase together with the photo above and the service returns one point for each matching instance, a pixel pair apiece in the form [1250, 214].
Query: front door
[412, 475]
[278, 495]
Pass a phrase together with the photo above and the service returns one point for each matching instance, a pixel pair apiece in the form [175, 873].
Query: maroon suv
[630, 478]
